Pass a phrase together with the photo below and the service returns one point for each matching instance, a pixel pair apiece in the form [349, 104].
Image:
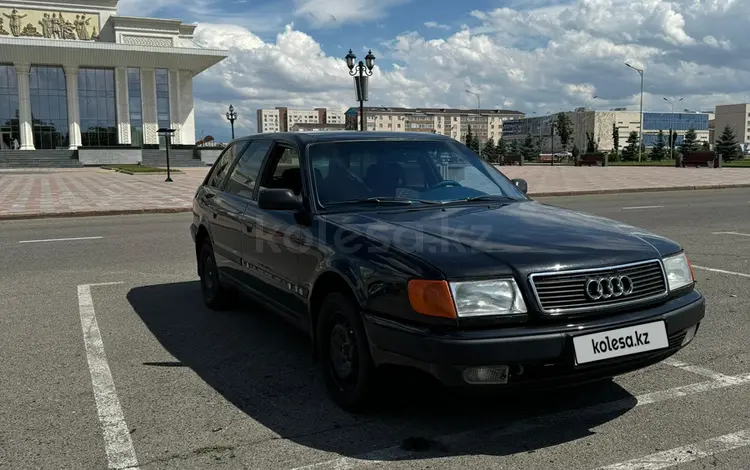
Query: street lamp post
[361, 72]
[231, 117]
[671, 128]
[167, 133]
[640, 130]
[479, 101]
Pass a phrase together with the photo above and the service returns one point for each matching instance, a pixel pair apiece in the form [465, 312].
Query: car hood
[472, 240]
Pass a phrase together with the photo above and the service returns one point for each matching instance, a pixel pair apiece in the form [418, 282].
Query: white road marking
[117, 441]
[685, 454]
[60, 239]
[722, 271]
[699, 370]
[732, 233]
[492, 434]
[640, 207]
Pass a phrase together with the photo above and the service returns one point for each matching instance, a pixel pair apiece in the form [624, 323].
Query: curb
[639, 190]
[62, 215]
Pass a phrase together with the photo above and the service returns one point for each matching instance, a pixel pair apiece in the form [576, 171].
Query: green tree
[727, 145]
[659, 150]
[513, 147]
[564, 129]
[690, 142]
[705, 146]
[469, 140]
[488, 150]
[501, 150]
[528, 150]
[591, 145]
[630, 152]
[615, 138]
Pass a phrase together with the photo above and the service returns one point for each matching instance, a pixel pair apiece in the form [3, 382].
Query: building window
[162, 101]
[49, 107]
[135, 107]
[10, 135]
[96, 98]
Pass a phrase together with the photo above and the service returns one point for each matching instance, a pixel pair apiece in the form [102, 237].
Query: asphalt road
[197, 389]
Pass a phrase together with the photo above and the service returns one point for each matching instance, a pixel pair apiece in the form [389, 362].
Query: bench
[513, 159]
[545, 158]
[590, 159]
[696, 159]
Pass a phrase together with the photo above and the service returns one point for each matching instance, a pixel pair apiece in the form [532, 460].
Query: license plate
[620, 342]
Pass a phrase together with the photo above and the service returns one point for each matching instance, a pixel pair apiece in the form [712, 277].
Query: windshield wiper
[375, 200]
[488, 197]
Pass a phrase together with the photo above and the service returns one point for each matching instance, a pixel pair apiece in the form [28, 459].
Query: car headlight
[485, 298]
[679, 272]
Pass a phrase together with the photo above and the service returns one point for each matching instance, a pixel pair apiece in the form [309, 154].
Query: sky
[534, 56]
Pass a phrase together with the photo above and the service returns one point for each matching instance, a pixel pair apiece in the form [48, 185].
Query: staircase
[39, 159]
[177, 158]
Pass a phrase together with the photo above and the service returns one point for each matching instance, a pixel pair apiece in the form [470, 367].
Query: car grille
[566, 292]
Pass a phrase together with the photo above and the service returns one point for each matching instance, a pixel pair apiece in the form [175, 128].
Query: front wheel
[347, 366]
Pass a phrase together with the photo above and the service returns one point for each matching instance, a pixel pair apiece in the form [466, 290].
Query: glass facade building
[135, 106]
[96, 99]
[10, 137]
[49, 107]
[663, 121]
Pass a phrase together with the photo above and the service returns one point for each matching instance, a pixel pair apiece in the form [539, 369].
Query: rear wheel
[347, 366]
[215, 295]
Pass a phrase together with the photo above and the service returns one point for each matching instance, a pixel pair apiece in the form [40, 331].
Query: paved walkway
[88, 191]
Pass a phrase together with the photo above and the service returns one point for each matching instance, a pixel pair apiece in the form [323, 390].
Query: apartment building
[600, 125]
[485, 123]
[283, 119]
[736, 116]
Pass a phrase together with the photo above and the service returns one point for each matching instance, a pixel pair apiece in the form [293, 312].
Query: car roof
[304, 138]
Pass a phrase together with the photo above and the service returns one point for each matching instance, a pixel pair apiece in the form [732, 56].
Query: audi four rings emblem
[608, 287]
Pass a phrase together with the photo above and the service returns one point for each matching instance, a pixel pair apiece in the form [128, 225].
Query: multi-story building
[283, 119]
[269, 120]
[316, 127]
[75, 75]
[485, 123]
[736, 116]
[599, 124]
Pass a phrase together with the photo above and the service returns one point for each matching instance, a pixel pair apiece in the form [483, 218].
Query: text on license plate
[620, 342]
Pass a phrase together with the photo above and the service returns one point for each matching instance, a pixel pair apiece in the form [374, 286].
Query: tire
[215, 295]
[346, 364]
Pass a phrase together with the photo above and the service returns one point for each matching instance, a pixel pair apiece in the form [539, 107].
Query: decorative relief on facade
[146, 41]
[36, 23]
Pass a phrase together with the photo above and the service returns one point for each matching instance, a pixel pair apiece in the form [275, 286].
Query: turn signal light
[690, 265]
[431, 298]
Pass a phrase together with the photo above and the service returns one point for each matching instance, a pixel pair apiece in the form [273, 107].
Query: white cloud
[331, 13]
[543, 59]
[436, 25]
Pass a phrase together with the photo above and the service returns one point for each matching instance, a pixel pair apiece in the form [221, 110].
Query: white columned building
[74, 74]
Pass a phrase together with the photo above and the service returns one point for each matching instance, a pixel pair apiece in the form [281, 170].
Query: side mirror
[279, 199]
[521, 184]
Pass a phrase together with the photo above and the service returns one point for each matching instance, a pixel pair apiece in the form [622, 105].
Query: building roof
[315, 125]
[400, 110]
[304, 138]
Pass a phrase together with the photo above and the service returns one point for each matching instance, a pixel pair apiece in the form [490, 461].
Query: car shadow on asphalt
[261, 365]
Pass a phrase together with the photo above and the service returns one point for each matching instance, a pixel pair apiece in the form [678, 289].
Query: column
[148, 97]
[123, 107]
[187, 114]
[24, 106]
[174, 105]
[74, 110]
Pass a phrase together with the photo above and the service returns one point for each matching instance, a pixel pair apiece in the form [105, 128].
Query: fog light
[486, 375]
[689, 335]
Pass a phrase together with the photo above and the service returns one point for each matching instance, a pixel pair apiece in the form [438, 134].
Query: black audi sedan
[408, 249]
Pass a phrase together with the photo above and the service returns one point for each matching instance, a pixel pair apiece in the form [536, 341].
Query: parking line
[685, 454]
[699, 370]
[732, 233]
[492, 434]
[117, 441]
[641, 207]
[721, 271]
[60, 239]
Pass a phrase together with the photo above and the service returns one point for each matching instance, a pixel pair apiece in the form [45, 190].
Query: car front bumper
[540, 355]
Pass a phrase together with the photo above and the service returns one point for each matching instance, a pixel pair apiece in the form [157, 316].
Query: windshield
[421, 171]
